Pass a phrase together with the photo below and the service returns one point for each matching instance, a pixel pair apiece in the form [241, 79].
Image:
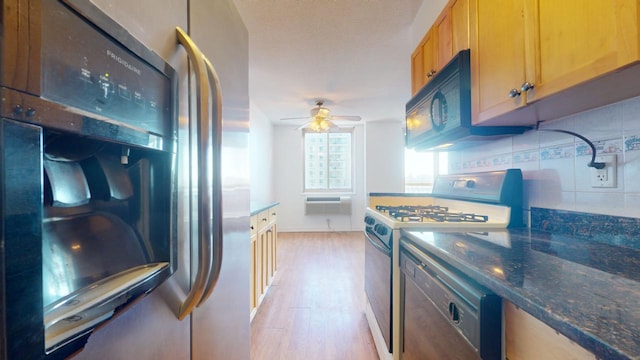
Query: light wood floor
[314, 309]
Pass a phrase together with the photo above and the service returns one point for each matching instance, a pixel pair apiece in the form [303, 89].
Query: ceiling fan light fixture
[320, 119]
[319, 124]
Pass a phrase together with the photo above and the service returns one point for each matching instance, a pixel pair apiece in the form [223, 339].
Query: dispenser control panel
[85, 68]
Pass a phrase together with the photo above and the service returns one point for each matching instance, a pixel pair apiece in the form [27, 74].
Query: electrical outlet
[606, 177]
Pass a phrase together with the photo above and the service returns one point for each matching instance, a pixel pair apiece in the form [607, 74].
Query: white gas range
[487, 200]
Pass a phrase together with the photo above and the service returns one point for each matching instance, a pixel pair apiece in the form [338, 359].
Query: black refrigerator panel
[21, 249]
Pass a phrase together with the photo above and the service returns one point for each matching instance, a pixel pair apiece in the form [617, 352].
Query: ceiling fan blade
[347, 118]
[296, 118]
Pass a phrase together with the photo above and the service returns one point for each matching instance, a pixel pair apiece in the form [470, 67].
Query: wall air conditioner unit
[325, 205]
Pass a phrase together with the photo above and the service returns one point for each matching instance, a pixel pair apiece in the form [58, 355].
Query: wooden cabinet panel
[451, 31]
[253, 225]
[459, 10]
[263, 253]
[274, 251]
[417, 70]
[444, 39]
[253, 297]
[497, 57]
[423, 62]
[552, 45]
[429, 57]
[572, 41]
[528, 338]
[448, 35]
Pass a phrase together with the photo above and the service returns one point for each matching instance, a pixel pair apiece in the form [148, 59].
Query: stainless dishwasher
[445, 315]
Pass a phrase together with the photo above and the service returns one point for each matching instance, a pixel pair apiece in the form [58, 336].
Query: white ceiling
[354, 54]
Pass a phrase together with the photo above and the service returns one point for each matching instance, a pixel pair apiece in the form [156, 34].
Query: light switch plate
[605, 178]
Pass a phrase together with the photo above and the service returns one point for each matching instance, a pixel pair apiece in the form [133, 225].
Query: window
[327, 161]
[421, 168]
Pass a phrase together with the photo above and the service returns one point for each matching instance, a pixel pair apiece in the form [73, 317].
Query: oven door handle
[377, 243]
[203, 154]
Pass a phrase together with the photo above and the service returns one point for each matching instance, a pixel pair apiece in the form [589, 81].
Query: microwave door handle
[203, 138]
[216, 163]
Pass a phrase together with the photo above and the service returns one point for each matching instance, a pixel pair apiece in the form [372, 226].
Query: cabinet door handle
[514, 93]
[526, 86]
[431, 73]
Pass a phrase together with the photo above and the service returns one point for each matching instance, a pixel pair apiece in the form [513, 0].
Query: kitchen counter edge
[257, 206]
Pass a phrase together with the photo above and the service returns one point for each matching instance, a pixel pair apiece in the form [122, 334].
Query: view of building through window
[327, 161]
[421, 168]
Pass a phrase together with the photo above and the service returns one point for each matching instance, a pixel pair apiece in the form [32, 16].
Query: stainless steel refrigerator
[218, 328]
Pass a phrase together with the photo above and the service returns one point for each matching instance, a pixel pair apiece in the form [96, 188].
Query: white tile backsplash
[632, 204]
[600, 202]
[631, 114]
[601, 123]
[631, 176]
[554, 165]
[528, 141]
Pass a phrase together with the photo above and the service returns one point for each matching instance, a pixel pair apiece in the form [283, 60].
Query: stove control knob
[470, 184]
[381, 230]
[369, 220]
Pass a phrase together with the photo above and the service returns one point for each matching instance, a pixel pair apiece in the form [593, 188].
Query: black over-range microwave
[438, 117]
[87, 157]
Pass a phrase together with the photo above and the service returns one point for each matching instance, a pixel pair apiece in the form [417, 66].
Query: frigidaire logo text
[122, 62]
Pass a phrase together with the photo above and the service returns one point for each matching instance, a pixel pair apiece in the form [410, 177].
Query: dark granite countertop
[258, 206]
[587, 290]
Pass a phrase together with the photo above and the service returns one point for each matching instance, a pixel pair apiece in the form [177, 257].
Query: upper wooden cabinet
[443, 38]
[448, 35]
[571, 41]
[423, 62]
[459, 14]
[497, 57]
[452, 30]
[526, 50]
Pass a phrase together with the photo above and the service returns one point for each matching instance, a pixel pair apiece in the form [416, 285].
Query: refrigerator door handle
[204, 181]
[216, 122]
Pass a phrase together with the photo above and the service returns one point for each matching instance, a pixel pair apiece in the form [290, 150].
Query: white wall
[554, 165]
[287, 170]
[261, 155]
[384, 149]
[426, 15]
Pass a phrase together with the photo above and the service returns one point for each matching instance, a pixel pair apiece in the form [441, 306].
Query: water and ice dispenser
[104, 229]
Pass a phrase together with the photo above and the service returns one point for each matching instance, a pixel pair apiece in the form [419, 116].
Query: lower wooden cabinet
[529, 338]
[263, 251]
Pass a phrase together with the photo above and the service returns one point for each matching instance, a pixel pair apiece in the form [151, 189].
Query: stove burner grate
[406, 213]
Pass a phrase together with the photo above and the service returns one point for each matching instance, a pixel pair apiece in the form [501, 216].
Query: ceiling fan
[320, 119]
